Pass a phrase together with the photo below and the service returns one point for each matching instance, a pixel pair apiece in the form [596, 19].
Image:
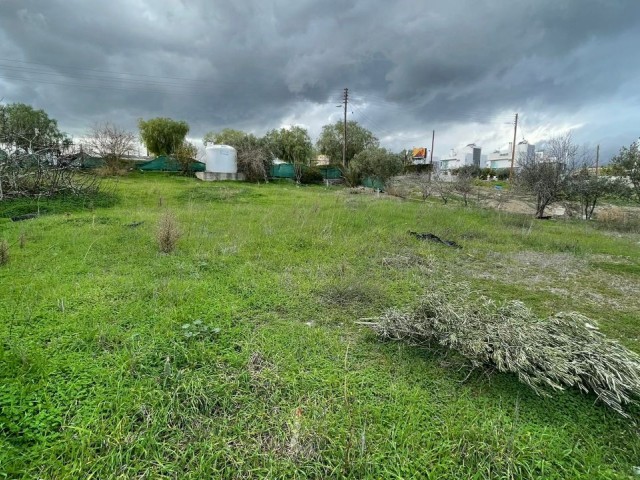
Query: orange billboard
[420, 152]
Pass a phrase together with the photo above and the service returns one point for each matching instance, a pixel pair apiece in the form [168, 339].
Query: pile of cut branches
[564, 350]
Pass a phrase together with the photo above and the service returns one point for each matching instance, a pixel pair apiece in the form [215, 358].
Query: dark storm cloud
[253, 64]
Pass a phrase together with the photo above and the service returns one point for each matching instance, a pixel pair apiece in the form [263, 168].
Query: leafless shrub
[4, 252]
[442, 188]
[618, 219]
[254, 163]
[565, 350]
[464, 184]
[425, 184]
[22, 239]
[168, 233]
[397, 188]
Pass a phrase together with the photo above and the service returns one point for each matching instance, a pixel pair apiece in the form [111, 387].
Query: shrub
[311, 175]
[376, 163]
[502, 174]
[168, 233]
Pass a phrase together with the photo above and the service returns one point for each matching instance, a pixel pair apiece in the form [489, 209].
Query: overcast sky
[461, 67]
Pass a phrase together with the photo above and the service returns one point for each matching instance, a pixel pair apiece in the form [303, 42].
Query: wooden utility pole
[433, 139]
[597, 158]
[513, 149]
[345, 100]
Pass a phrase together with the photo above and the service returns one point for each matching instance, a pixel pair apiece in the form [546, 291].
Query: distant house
[502, 159]
[472, 155]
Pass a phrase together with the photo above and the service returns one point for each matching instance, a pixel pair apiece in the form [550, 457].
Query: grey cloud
[251, 64]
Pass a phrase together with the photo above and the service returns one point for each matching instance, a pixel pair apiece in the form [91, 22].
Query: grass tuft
[168, 232]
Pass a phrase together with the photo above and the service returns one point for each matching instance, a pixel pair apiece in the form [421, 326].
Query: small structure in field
[221, 164]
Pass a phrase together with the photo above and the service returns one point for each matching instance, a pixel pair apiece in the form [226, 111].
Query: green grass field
[238, 355]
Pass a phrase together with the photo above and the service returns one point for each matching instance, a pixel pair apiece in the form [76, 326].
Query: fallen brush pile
[435, 239]
[565, 350]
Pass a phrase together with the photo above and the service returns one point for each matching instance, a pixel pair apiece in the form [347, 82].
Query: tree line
[29, 136]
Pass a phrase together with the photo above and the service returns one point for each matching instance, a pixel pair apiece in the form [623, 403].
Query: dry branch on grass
[565, 350]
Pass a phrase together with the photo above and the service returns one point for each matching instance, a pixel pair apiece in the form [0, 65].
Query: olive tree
[547, 178]
[377, 163]
[627, 164]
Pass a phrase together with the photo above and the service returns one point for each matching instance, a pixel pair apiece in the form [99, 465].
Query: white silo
[221, 164]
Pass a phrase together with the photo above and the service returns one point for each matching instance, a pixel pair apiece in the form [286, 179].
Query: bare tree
[112, 143]
[443, 188]
[425, 184]
[464, 183]
[547, 178]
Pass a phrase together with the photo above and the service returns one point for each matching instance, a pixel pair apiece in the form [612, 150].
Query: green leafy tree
[291, 145]
[377, 163]
[627, 163]
[358, 139]
[229, 136]
[161, 135]
[25, 128]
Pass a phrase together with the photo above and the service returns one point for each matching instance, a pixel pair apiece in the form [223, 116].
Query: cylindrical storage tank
[221, 159]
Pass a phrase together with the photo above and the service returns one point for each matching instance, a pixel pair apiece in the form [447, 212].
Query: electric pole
[345, 100]
[513, 148]
[433, 139]
[597, 158]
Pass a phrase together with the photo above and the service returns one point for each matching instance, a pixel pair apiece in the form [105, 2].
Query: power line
[66, 67]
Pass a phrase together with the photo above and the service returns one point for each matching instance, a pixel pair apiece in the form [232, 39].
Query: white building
[471, 155]
[502, 159]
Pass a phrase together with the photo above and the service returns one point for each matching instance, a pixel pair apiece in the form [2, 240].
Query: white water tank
[221, 159]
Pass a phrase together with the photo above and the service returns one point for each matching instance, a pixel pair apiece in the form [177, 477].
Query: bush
[168, 233]
[502, 174]
[487, 173]
[376, 163]
[311, 175]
